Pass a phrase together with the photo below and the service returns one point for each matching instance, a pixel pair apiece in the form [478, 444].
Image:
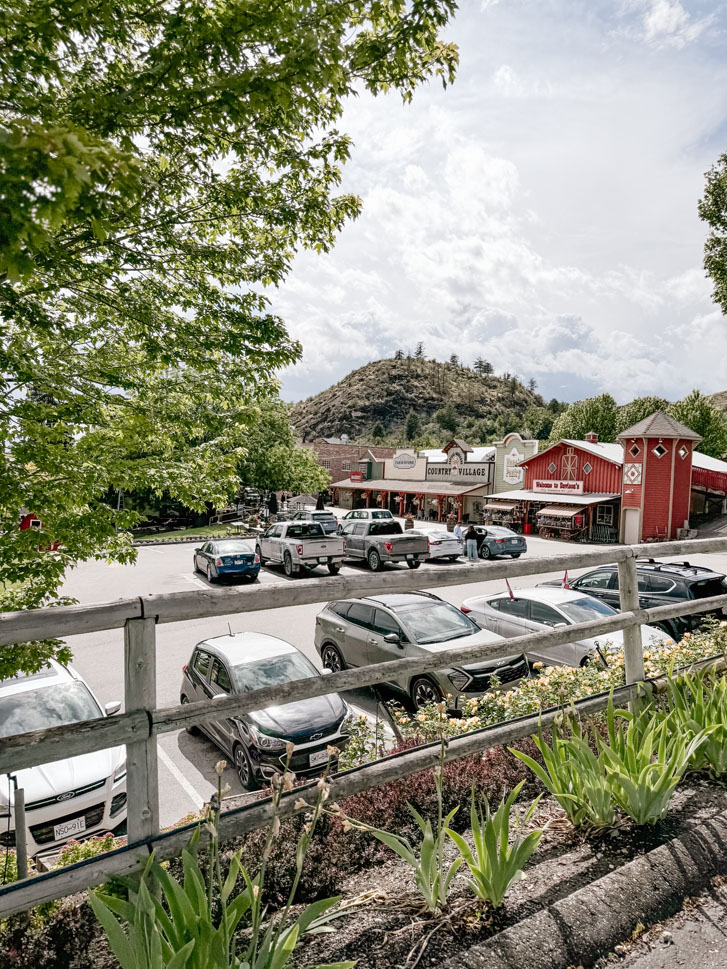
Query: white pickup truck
[300, 544]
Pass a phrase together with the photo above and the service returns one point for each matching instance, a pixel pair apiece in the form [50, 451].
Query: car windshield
[585, 609]
[381, 514]
[707, 588]
[271, 671]
[305, 530]
[323, 515]
[435, 622]
[500, 532]
[49, 707]
[233, 548]
[385, 528]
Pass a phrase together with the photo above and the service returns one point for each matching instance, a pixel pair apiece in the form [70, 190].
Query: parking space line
[194, 580]
[179, 777]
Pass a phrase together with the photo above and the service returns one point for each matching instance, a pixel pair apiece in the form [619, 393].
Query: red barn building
[637, 490]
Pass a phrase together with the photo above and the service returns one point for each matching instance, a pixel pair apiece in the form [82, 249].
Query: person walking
[458, 533]
[471, 543]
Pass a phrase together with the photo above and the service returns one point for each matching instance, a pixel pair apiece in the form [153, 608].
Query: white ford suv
[67, 799]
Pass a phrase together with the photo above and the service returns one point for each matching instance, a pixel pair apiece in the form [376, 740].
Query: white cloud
[555, 235]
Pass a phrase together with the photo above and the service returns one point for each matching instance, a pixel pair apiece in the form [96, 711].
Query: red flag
[509, 589]
[564, 583]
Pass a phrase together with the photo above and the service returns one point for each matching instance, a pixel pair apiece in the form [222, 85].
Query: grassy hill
[375, 401]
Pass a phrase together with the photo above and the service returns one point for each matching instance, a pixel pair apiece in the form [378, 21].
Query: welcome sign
[559, 487]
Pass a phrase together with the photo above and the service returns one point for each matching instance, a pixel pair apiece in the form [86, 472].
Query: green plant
[699, 705]
[432, 874]
[498, 862]
[574, 775]
[194, 925]
[644, 761]
[366, 742]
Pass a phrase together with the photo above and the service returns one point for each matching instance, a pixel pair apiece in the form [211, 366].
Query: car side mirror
[197, 550]
[111, 708]
[394, 639]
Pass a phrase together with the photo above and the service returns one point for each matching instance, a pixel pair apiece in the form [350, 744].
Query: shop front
[576, 518]
[423, 500]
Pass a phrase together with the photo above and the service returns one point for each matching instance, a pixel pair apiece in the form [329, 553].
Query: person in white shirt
[458, 533]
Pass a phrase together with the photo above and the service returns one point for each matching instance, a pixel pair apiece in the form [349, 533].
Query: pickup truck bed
[378, 542]
[301, 544]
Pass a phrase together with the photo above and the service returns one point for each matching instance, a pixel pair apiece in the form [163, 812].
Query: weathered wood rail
[139, 726]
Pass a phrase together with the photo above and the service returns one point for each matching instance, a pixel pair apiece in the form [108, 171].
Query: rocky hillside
[444, 397]
[719, 400]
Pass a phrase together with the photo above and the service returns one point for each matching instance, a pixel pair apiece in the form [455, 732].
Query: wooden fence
[142, 721]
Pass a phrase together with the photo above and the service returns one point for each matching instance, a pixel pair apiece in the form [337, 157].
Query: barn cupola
[591, 437]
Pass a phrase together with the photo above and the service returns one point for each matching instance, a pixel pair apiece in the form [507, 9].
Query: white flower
[220, 767]
[289, 748]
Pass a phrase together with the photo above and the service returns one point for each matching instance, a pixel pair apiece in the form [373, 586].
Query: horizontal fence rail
[139, 726]
[57, 743]
[62, 621]
[19, 896]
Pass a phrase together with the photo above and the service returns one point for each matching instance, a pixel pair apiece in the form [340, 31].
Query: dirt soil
[388, 929]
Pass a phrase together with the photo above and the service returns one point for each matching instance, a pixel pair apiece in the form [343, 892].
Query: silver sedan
[535, 610]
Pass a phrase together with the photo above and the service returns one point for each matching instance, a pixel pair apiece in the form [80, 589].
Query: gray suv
[357, 632]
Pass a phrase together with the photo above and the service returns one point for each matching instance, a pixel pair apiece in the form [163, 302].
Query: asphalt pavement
[186, 763]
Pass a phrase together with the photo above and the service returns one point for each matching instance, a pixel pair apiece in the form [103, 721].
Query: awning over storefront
[525, 494]
[500, 505]
[404, 487]
[560, 511]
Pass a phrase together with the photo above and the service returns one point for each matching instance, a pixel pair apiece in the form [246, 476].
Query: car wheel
[210, 577]
[374, 560]
[515, 555]
[259, 553]
[333, 568]
[413, 563]
[453, 558]
[485, 552]
[288, 564]
[424, 691]
[669, 630]
[244, 769]
[332, 659]
[192, 731]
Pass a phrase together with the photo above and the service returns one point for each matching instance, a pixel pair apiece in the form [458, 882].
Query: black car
[242, 662]
[326, 519]
[660, 584]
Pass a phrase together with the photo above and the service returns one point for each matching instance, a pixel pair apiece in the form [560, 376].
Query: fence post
[140, 686]
[628, 584]
[21, 832]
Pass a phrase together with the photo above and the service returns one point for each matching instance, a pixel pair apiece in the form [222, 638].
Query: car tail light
[184, 668]
[389, 546]
[500, 541]
[429, 544]
[464, 609]
[257, 559]
[218, 561]
[299, 549]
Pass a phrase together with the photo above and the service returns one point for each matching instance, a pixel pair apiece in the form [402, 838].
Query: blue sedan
[227, 556]
[497, 540]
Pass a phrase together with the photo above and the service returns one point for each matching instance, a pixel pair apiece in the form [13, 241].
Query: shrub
[699, 705]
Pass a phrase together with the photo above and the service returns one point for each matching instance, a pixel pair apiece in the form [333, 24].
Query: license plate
[514, 541]
[318, 758]
[322, 560]
[237, 561]
[409, 558]
[68, 828]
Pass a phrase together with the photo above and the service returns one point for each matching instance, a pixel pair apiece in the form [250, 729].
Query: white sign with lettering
[559, 487]
[511, 473]
[404, 461]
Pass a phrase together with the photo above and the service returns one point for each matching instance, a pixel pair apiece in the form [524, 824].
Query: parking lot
[186, 763]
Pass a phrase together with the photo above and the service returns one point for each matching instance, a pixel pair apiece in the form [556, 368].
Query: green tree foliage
[487, 368]
[597, 414]
[399, 355]
[160, 165]
[637, 410]
[701, 416]
[454, 360]
[378, 432]
[412, 425]
[447, 419]
[713, 211]
[419, 352]
[273, 460]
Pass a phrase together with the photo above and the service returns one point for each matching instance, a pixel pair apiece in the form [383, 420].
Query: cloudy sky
[542, 212]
